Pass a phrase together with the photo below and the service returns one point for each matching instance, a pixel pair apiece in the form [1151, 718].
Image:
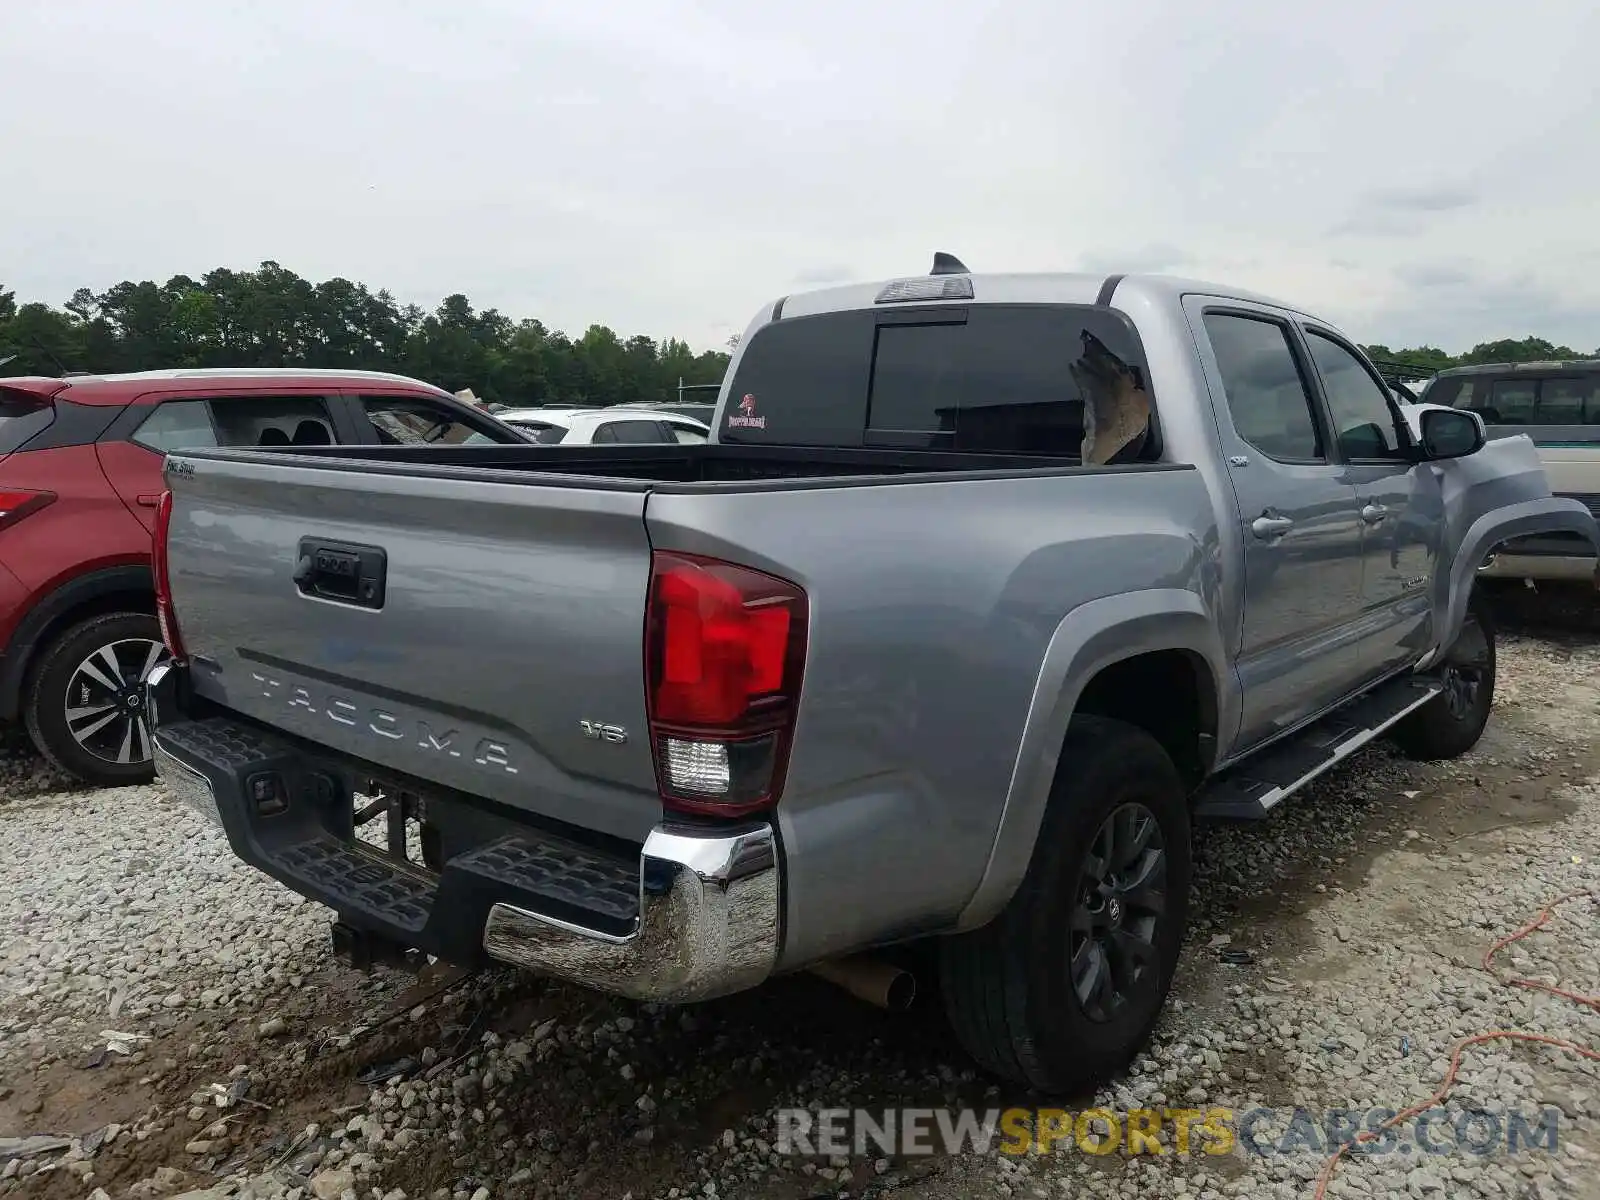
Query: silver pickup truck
[986, 588]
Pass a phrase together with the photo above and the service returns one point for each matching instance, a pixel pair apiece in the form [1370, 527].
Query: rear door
[1299, 648]
[133, 449]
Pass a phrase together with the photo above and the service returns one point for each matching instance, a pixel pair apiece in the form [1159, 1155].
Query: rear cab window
[987, 378]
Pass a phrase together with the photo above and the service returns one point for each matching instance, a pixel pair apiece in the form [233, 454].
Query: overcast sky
[1425, 172]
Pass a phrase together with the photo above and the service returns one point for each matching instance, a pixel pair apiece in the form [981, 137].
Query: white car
[601, 426]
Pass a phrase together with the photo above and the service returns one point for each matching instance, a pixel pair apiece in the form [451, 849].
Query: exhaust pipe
[878, 983]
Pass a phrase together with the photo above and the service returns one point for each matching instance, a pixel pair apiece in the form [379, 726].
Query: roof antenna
[948, 264]
[61, 367]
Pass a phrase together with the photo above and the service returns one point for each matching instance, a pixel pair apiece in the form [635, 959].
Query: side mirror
[1442, 432]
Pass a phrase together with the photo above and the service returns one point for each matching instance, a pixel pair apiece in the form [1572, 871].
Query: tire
[1452, 722]
[1009, 988]
[108, 742]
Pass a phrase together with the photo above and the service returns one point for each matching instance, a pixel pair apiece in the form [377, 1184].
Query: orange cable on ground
[1518, 1035]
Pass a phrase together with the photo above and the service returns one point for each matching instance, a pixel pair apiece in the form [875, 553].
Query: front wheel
[1452, 722]
[1062, 989]
[85, 705]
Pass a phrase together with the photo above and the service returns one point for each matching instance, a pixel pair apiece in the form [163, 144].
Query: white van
[1557, 404]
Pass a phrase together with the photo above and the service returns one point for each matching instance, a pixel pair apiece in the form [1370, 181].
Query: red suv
[80, 475]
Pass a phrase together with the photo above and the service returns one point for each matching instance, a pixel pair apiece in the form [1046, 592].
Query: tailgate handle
[341, 572]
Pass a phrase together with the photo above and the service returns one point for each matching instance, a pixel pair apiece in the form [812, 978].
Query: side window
[1363, 417]
[410, 421]
[1461, 391]
[687, 435]
[632, 432]
[272, 421]
[1266, 395]
[176, 425]
[1512, 402]
[1569, 401]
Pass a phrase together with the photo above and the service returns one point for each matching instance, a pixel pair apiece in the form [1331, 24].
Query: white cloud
[668, 167]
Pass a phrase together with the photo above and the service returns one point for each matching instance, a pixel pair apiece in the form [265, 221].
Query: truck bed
[508, 591]
[668, 468]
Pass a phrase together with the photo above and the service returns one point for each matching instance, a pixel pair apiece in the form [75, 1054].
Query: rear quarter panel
[87, 527]
[933, 609]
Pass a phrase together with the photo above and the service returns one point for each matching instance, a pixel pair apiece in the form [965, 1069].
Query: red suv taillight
[165, 615]
[16, 504]
[724, 648]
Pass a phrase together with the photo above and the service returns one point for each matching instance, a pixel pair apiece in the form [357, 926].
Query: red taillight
[165, 615]
[724, 648]
[16, 504]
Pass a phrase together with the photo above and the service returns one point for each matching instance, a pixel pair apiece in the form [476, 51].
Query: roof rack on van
[1398, 372]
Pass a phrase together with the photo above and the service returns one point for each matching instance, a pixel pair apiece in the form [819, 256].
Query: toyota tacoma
[985, 590]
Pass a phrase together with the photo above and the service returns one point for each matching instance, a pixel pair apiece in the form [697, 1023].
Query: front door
[1300, 525]
[1402, 508]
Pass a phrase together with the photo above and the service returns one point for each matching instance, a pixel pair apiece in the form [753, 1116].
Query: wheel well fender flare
[1089, 639]
[85, 595]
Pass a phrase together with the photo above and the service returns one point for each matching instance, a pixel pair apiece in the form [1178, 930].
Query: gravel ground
[175, 1019]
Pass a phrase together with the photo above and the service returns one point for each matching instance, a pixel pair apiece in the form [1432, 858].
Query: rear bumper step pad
[693, 915]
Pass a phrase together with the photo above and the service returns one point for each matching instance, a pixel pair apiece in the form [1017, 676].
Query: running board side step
[1251, 790]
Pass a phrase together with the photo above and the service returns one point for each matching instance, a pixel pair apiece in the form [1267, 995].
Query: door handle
[149, 500]
[1372, 514]
[342, 573]
[1267, 528]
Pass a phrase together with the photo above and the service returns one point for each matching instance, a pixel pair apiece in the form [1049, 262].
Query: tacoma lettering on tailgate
[486, 752]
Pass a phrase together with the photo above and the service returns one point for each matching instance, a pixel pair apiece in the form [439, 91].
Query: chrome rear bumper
[708, 924]
[707, 921]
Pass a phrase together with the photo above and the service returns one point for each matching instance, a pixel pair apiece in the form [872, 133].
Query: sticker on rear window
[746, 417]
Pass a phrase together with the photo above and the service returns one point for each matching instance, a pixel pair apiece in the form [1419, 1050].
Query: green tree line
[1505, 350]
[271, 317]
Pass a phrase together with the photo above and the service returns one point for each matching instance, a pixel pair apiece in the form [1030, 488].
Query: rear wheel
[1062, 989]
[85, 704]
[1452, 722]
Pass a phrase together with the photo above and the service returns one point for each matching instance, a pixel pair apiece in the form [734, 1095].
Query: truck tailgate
[454, 629]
